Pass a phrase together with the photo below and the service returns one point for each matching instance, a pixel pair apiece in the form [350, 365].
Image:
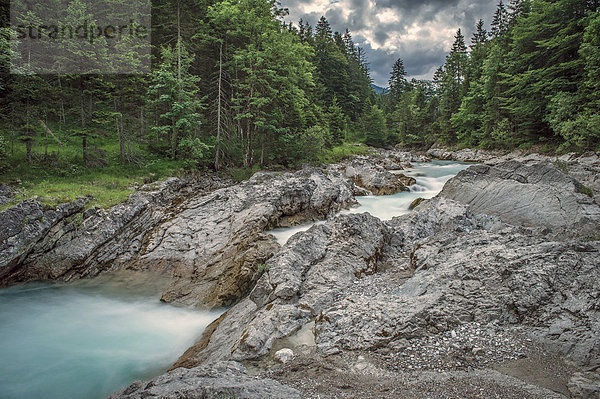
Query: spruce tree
[398, 83]
[499, 21]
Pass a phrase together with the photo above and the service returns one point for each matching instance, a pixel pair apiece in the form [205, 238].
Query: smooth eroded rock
[213, 381]
[533, 196]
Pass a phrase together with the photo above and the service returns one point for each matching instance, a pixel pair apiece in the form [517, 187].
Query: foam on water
[88, 340]
[283, 234]
[430, 177]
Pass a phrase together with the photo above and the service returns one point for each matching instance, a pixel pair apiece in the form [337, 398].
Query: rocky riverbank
[492, 289]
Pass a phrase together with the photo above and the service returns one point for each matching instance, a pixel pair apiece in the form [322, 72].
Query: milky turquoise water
[430, 177]
[88, 340]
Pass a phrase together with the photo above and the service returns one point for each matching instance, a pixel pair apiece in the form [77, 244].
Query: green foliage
[377, 134]
[174, 96]
[416, 203]
[242, 174]
[4, 154]
[341, 152]
[561, 165]
[587, 191]
[312, 143]
[193, 151]
[262, 268]
[535, 79]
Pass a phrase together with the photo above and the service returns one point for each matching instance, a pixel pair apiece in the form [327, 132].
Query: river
[430, 177]
[88, 339]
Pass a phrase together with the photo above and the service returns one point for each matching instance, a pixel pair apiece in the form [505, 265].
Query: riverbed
[430, 177]
[88, 339]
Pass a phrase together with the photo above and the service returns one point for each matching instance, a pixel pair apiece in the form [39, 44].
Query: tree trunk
[84, 148]
[141, 122]
[218, 143]
[179, 40]
[46, 138]
[62, 117]
[28, 148]
[119, 124]
[83, 133]
[262, 152]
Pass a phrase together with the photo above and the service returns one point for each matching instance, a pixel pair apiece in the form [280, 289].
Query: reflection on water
[430, 177]
[89, 339]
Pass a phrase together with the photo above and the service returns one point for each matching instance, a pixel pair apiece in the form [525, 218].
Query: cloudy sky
[420, 32]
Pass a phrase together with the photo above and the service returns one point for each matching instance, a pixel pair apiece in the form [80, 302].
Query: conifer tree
[499, 21]
[398, 83]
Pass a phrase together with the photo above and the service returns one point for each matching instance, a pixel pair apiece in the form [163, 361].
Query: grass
[587, 191]
[53, 179]
[561, 165]
[56, 179]
[341, 152]
[241, 174]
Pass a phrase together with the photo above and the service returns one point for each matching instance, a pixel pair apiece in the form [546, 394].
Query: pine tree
[174, 93]
[499, 22]
[398, 83]
[337, 123]
[323, 29]
[376, 130]
[515, 10]
[456, 62]
[480, 35]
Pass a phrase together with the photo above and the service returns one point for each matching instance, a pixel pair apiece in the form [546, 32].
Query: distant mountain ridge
[378, 89]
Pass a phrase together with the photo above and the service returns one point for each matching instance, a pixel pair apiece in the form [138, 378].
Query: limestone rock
[370, 176]
[22, 227]
[305, 278]
[534, 196]
[6, 194]
[585, 385]
[216, 242]
[284, 355]
[214, 381]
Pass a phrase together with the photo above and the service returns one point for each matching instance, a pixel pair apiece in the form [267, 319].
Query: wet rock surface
[220, 380]
[209, 238]
[492, 289]
[539, 195]
[440, 289]
[371, 176]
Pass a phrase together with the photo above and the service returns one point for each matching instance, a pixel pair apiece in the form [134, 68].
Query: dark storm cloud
[419, 32]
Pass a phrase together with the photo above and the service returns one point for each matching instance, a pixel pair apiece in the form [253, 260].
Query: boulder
[214, 381]
[305, 278]
[539, 196]
[23, 227]
[215, 243]
[367, 174]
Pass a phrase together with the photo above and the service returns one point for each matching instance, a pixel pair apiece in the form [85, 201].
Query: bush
[193, 152]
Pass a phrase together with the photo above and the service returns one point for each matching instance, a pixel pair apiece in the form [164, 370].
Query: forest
[234, 87]
[532, 80]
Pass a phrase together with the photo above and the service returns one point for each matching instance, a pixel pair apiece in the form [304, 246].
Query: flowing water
[430, 177]
[87, 340]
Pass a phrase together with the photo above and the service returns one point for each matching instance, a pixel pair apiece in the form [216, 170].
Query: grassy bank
[53, 179]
